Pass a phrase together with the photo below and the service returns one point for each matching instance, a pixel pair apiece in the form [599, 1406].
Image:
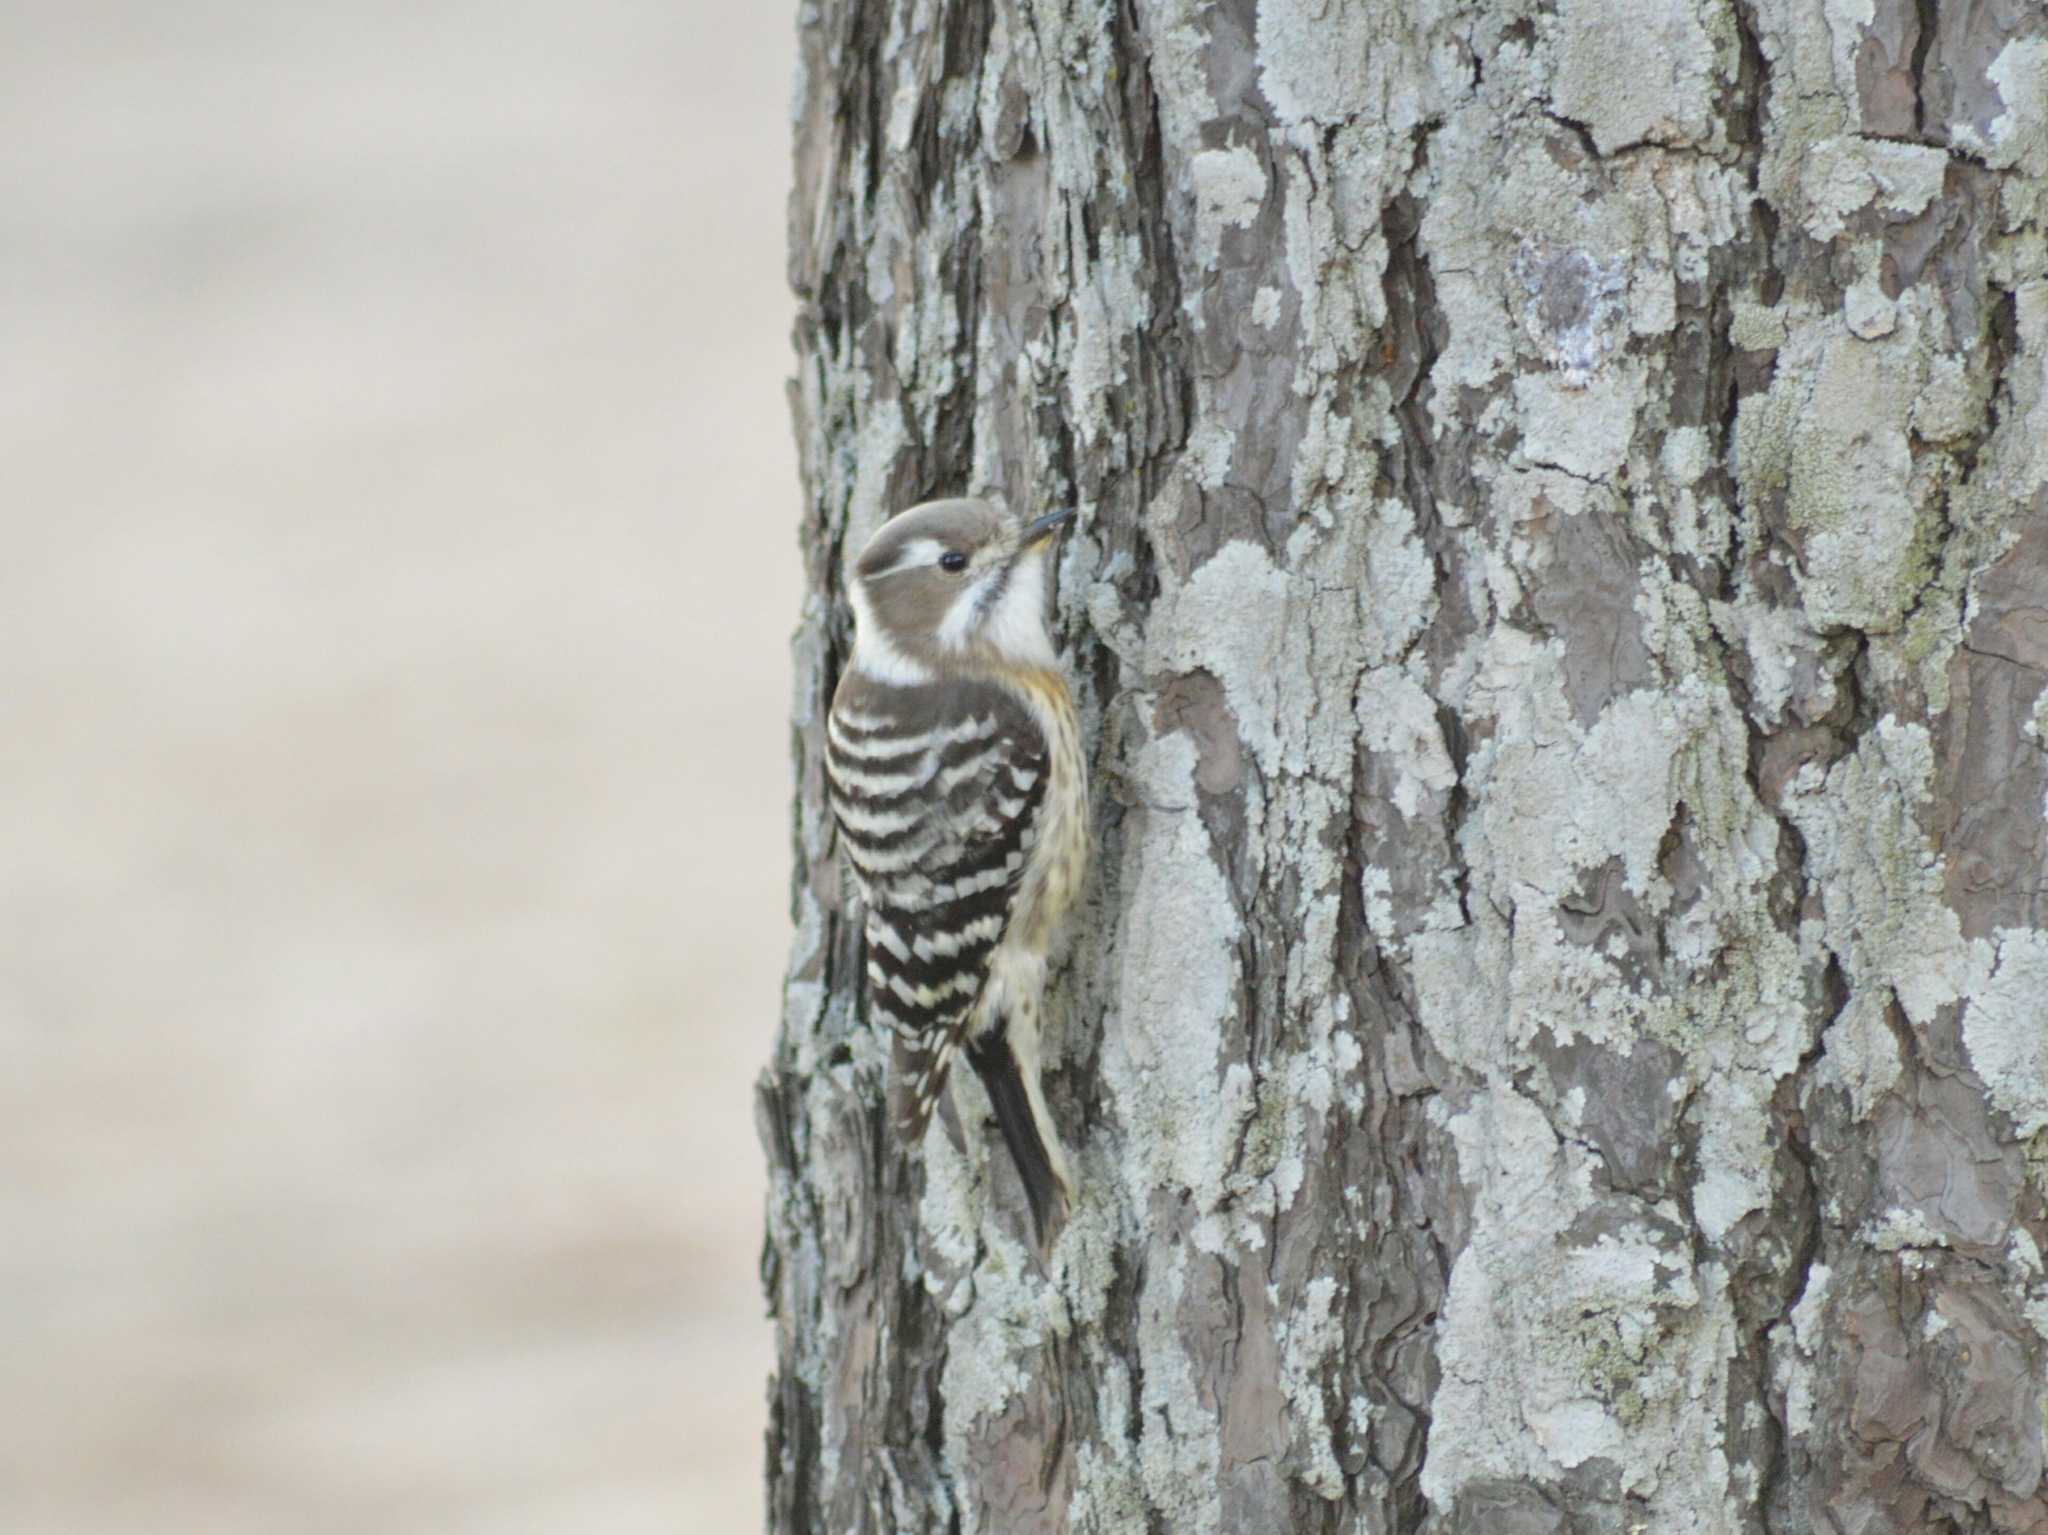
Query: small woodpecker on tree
[953, 756]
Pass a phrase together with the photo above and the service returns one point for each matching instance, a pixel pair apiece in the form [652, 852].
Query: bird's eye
[953, 560]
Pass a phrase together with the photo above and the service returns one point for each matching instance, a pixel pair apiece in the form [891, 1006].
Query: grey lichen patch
[1582, 427]
[1684, 455]
[1573, 1331]
[2018, 137]
[1824, 455]
[1209, 450]
[1178, 1442]
[1795, 1345]
[1000, 1309]
[1328, 61]
[1109, 1494]
[1950, 406]
[1879, 879]
[1468, 251]
[1848, 23]
[1398, 720]
[1603, 1382]
[1863, 1056]
[1397, 596]
[1178, 993]
[1639, 73]
[1735, 1120]
[1554, 800]
[1231, 620]
[1230, 188]
[1789, 671]
[1110, 307]
[1868, 310]
[870, 468]
[1841, 176]
[2005, 1026]
[1560, 799]
[1309, 1340]
[1336, 245]
[1754, 327]
[1313, 59]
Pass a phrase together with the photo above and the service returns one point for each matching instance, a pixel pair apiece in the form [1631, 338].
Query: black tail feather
[994, 1063]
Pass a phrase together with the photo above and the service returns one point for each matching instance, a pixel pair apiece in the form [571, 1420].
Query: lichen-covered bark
[1558, 1035]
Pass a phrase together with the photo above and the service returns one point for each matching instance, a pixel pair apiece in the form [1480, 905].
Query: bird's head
[952, 584]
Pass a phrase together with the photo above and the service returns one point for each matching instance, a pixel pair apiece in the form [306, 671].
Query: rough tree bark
[1558, 1037]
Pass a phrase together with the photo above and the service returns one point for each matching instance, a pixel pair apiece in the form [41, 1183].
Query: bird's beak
[1045, 527]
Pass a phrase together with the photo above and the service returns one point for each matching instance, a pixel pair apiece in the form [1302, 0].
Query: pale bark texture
[1557, 1040]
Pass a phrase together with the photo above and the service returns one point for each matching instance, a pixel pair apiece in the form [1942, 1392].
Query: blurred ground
[396, 564]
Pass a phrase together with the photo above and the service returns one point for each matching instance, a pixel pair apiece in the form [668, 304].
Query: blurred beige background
[396, 564]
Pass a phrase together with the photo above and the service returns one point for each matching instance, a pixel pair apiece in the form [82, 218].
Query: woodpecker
[953, 755]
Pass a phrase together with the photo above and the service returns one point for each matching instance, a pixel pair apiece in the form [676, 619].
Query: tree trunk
[1557, 1039]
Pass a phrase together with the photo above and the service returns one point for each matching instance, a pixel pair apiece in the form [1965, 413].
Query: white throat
[1014, 626]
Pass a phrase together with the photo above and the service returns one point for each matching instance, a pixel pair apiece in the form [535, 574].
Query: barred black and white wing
[937, 790]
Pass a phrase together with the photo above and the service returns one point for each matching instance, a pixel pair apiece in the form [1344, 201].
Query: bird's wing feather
[937, 799]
